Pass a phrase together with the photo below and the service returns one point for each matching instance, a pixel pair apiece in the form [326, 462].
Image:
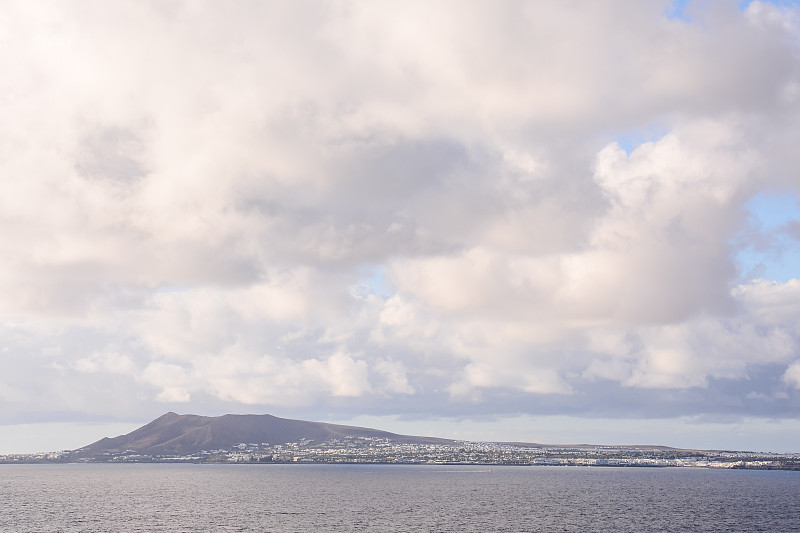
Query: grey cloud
[112, 153]
[792, 229]
[209, 255]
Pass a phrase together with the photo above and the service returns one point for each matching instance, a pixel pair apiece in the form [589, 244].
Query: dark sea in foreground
[308, 498]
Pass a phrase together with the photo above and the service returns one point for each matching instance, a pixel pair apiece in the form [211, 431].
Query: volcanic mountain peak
[174, 434]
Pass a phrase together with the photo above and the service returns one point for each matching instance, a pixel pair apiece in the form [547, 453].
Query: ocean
[389, 498]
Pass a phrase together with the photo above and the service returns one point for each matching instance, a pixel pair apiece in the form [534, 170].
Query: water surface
[305, 498]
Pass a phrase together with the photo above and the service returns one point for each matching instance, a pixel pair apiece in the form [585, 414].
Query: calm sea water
[309, 498]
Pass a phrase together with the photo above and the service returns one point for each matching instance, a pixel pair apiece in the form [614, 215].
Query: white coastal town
[378, 450]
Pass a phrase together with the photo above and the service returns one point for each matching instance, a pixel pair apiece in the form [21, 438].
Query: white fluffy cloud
[792, 375]
[388, 208]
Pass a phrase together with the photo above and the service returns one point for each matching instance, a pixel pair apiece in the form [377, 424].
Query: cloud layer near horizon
[394, 208]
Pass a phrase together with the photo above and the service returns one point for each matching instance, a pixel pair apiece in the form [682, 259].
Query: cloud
[792, 375]
[115, 363]
[190, 195]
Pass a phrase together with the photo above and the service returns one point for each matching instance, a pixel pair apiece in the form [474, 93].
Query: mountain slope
[173, 434]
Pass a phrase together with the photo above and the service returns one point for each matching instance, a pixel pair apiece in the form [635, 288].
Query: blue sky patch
[770, 244]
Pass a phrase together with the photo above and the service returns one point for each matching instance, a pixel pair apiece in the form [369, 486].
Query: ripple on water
[286, 498]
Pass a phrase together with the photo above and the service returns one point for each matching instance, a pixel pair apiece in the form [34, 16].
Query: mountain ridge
[174, 434]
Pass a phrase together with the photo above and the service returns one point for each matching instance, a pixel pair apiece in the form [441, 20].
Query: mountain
[174, 434]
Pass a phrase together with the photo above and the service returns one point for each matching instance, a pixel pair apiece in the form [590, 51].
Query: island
[266, 439]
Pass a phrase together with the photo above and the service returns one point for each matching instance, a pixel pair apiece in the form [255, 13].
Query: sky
[527, 221]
